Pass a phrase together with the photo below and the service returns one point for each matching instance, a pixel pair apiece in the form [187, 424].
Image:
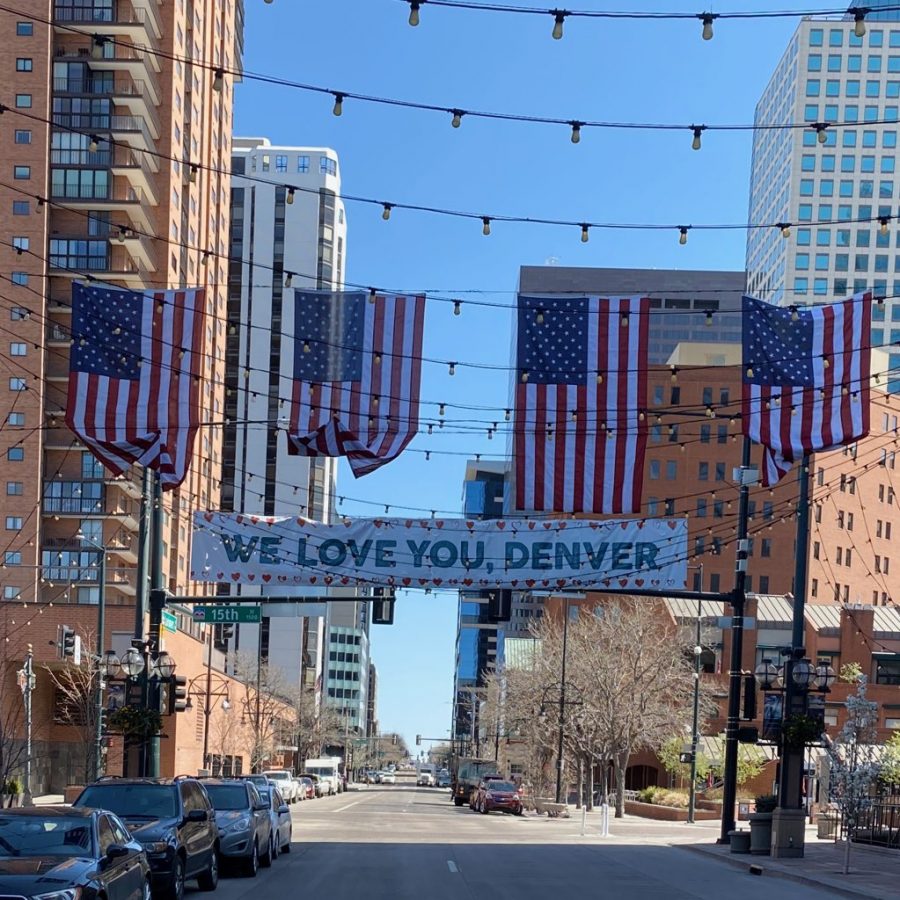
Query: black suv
[174, 821]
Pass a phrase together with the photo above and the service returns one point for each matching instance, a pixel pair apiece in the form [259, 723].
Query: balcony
[74, 498]
[129, 130]
[140, 98]
[121, 58]
[137, 24]
[57, 335]
[124, 580]
[73, 257]
[102, 196]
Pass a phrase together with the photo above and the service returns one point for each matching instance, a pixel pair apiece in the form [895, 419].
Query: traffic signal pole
[157, 604]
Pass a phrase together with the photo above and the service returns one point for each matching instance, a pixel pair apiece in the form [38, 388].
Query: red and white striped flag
[134, 376]
[806, 378]
[357, 373]
[581, 384]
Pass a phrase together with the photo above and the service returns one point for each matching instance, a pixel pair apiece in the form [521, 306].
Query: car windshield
[45, 836]
[148, 801]
[227, 796]
[501, 786]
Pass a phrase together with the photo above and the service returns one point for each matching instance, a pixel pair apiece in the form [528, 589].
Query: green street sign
[169, 621]
[217, 615]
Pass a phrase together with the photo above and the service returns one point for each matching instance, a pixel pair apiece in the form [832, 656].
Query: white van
[327, 769]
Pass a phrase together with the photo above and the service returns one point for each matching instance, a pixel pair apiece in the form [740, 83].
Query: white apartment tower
[830, 190]
[288, 230]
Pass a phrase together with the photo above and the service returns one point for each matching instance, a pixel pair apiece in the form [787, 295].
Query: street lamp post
[562, 706]
[26, 683]
[101, 628]
[695, 725]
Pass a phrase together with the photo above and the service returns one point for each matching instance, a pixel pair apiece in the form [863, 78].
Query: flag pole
[157, 604]
[738, 602]
[789, 820]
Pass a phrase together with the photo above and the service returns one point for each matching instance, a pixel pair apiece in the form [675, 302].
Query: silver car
[280, 818]
[245, 828]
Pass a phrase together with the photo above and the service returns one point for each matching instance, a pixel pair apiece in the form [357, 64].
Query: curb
[738, 863]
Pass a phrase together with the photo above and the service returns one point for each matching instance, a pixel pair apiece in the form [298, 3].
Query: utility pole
[562, 707]
[26, 683]
[157, 604]
[695, 726]
[98, 668]
[207, 700]
[738, 603]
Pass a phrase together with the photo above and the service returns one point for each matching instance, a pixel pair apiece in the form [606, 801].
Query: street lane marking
[342, 808]
[452, 866]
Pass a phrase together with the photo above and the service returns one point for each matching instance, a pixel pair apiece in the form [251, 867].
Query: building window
[16, 419]
[21, 208]
[814, 587]
[302, 164]
[10, 592]
[671, 470]
[23, 101]
[15, 454]
[13, 523]
[281, 163]
[887, 670]
[15, 488]
[17, 384]
[12, 558]
[764, 584]
[22, 173]
[720, 471]
[23, 135]
[704, 434]
[20, 278]
[327, 165]
[654, 469]
[24, 64]
[766, 547]
[18, 349]
[24, 29]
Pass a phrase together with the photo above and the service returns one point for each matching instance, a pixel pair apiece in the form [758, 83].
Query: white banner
[456, 553]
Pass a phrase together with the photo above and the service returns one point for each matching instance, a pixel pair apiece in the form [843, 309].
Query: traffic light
[499, 605]
[178, 694]
[65, 642]
[418, 740]
[382, 606]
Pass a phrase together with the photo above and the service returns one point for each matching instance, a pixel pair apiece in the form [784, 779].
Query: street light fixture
[132, 663]
[803, 674]
[110, 665]
[767, 675]
[164, 666]
[825, 677]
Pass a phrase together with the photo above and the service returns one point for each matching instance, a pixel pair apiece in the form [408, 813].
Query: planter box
[761, 834]
[667, 813]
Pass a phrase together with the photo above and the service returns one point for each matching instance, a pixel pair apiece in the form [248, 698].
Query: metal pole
[695, 726]
[562, 709]
[207, 703]
[738, 600]
[790, 781]
[143, 562]
[157, 604]
[98, 696]
[27, 688]
[258, 752]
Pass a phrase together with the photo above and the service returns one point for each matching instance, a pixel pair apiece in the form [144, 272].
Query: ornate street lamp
[110, 665]
[803, 674]
[164, 666]
[767, 675]
[825, 678]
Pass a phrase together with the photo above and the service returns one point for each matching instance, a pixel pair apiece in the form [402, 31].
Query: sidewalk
[874, 872]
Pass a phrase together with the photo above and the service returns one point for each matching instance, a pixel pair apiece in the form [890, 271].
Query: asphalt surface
[406, 843]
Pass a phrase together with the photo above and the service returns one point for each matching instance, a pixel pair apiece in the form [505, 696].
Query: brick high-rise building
[115, 166]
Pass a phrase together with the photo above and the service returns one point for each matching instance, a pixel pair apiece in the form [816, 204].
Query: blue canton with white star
[332, 326]
[106, 330]
[555, 351]
[776, 349]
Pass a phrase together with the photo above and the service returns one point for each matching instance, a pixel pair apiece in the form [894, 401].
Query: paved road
[404, 843]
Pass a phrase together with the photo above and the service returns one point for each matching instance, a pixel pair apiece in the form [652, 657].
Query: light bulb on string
[457, 307]
[93, 146]
[683, 234]
[784, 228]
[709, 319]
[338, 108]
[599, 378]
[624, 320]
[524, 376]
[539, 316]
[507, 414]
[707, 19]
[674, 374]
[884, 225]
[306, 347]
[859, 19]
[386, 211]
[576, 131]
[372, 295]
[486, 225]
[218, 80]
[441, 409]
[698, 131]
[795, 314]
[452, 368]
[456, 121]
[559, 18]
[820, 127]
[288, 279]
[585, 237]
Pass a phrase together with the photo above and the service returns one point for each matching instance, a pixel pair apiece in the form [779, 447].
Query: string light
[819, 128]
[338, 107]
[698, 131]
[585, 237]
[674, 374]
[289, 199]
[441, 409]
[372, 294]
[414, 6]
[624, 320]
[507, 415]
[452, 368]
[599, 378]
[749, 371]
[576, 131]
[486, 223]
[377, 359]
[859, 19]
[457, 307]
[93, 146]
[559, 18]
[682, 234]
[192, 173]
[707, 19]
[306, 346]
[795, 314]
[456, 121]
[539, 316]
[218, 80]
[288, 279]
[785, 228]
[386, 211]
[524, 375]
[709, 318]
[884, 225]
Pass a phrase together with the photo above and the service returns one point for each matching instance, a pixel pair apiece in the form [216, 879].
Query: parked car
[308, 787]
[322, 785]
[172, 819]
[299, 788]
[473, 797]
[60, 852]
[243, 820]
[444, 779]
[503, 796]
[388, 778]
[285, 782]
[280, 820]
[261, 781]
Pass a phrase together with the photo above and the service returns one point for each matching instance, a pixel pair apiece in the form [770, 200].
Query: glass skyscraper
[828, 192]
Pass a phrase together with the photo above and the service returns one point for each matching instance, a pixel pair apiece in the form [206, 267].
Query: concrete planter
[667, 813]
[740, 841]
[761, 834]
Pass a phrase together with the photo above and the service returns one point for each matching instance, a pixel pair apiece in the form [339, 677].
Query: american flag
[134, 371]
[581, 384]
[357, 371]
[806, 378]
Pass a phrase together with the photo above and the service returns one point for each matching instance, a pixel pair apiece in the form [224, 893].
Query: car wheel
[175, 890]
[484, 808]
[145, 891]
[276, 847]
[519, 810]
[265, 859]
[458, 801]
[251, 866]
[209, 879]
[287, 847]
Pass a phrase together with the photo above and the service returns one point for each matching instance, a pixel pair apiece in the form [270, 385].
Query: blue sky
[629, 71]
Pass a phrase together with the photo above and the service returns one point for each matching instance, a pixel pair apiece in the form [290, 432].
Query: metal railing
[879, 825]
[90, 15]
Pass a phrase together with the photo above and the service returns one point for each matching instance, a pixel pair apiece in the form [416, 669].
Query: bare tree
[267, 711]
[12, 744]
[76, 707]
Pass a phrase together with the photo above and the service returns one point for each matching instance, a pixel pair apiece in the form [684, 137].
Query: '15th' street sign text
[219, 615]
[523, 554]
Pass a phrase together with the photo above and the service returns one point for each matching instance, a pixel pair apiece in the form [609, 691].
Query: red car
[503, 796]
[308, 787]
